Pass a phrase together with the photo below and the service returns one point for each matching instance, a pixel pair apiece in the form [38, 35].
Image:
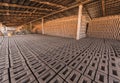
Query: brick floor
[47, 59]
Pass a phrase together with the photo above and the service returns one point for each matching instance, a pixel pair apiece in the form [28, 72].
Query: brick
[74, 64]
[73, 77]
[4, 77]
[81, 68]
[65, 72]
[104, 62]
[90, 73]
[53, 63]
[84, 79]
[67, 61]
[96, 59]
[46, 77]
[18, 64]
[113, 80]
[93, 64]
[101, 77]
[6, 81]
[103, 68]
[28, 78]
[41, 71]
[37, 66]
[58, 67]
[114, 72]
[86, 61]
[57, 79]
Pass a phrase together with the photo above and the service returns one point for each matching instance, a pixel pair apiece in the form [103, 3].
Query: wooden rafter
[103, 7]
[49, 3]
[22, 6]
[16, 17]
[18, 11]
[76, 5]
[88, 12]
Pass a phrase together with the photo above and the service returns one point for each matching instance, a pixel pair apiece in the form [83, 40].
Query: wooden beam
[49, 3]
[22, 6]
[19, 15]
[88, 12]
[103, 7]
[79, 21]
[65, 9]
[18, 11]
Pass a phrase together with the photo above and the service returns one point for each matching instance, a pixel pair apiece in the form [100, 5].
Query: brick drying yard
[47, 59]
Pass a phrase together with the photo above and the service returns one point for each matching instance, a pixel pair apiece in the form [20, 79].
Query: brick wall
[65, 27]
[105, 27]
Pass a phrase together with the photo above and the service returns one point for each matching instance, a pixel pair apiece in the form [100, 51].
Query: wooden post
[103, 7]
[30, 26]
[79, 21]
[43, 26]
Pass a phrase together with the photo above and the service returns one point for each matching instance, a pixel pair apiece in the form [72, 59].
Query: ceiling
[18, 12]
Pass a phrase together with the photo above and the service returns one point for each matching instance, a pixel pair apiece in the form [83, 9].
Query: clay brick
[27, 78]
[84, 79]
[103, 68]
[57, 79]
[46, 77]
[58, 67]
[114, 72]
[90, 73]
[73, 77]
[65, 72]
[41, 71]
[101, 77]
[81, 68]
[113, 80]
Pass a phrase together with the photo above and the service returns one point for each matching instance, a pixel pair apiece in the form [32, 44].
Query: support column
[79, 21]
[43, 26]
[30, 26]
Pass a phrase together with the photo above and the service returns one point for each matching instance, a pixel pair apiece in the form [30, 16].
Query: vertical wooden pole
[103, 7]
[79, 21]
[30, 26]
[43, 26]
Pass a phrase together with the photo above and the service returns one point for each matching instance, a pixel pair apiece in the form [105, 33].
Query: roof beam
[65, 9]
[88, 13]
[22, 6]
[103, 7]
[18, 15]
[17, 11]
[49, 3]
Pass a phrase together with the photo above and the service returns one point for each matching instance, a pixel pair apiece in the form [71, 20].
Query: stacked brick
[53, 59]
[65, 27]
[4, 61]
[45, 59]
[83, 27]
[105, 27]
